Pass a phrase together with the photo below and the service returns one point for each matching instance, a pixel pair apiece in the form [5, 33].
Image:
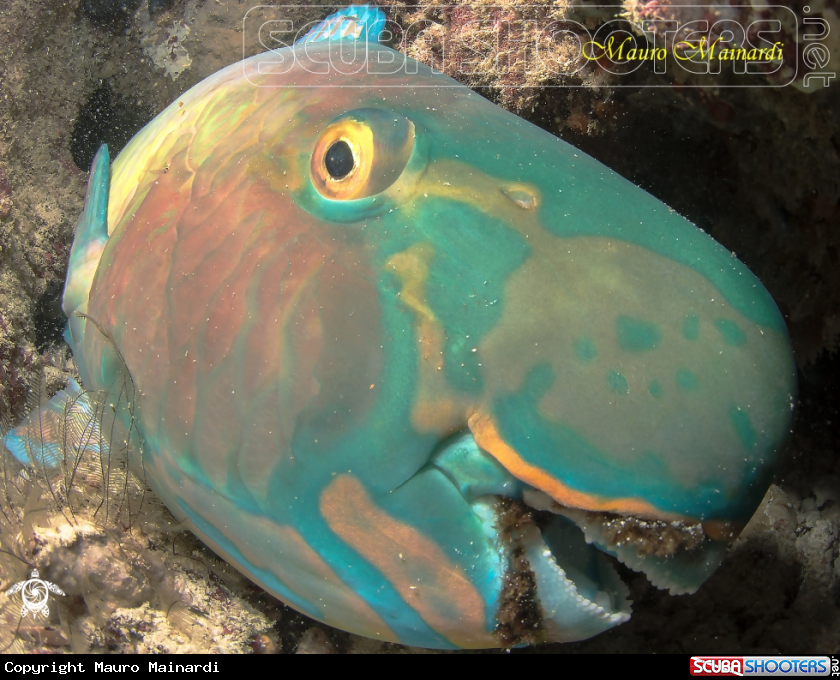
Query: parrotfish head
[425, 365]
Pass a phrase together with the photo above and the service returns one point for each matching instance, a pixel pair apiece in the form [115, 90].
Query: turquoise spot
[691, 327]
[741, 421]
[655, 389]
[686, 380]
[635, 335]
[731, 332]
[585, 350]
[618, 382]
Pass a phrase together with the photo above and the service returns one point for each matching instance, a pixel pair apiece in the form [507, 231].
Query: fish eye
[361, 154]
[339, 160]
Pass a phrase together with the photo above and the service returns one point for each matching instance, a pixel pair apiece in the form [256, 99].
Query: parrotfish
[415, 366]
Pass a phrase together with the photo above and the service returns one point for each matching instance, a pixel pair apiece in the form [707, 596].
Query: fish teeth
[680, 574]
[582, 602]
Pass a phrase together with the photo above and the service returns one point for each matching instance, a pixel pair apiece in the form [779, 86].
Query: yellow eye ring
[361, 154]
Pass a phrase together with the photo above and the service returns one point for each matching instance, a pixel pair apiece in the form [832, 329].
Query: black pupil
[339, 160]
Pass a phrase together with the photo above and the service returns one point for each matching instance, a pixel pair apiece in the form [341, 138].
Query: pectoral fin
[88, 244]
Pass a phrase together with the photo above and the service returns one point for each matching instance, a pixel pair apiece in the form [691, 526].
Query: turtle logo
[35, 593]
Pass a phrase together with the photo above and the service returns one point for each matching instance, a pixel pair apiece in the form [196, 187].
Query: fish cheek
[350, 362]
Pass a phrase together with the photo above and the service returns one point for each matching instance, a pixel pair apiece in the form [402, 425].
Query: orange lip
[488, 438]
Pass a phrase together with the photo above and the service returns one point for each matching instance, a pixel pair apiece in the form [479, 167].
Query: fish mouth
[561, 580]
[558, 588]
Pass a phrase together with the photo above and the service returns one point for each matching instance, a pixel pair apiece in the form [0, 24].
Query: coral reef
[512, 51]
[757, 168]
[132, 579]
